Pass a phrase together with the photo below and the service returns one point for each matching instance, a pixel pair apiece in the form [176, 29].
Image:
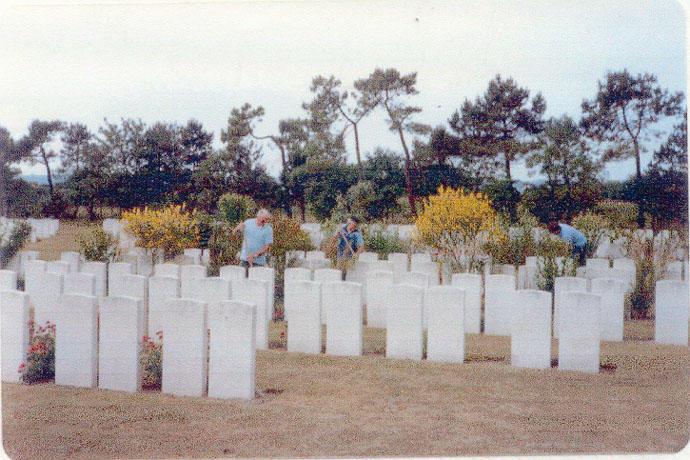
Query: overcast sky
[176, 61]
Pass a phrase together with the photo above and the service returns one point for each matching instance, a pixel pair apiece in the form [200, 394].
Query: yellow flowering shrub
[456, 223]
[170, 229]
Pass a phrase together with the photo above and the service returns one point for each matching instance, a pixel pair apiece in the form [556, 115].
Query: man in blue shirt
[258, 237]
[350, 241]
[573, 236]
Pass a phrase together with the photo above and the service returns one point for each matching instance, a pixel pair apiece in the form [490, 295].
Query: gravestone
[15, 312]
[79, 283]
[671, 310]
[167, 270]
[73, 259]
[232, 351]
[471, 284]
[530, 331]
[379, 296]
[194, 254]
[8, 280]
[419, 258]
[58, 266]
[531, 269]
[116, 270]
[380, 266]
[136, 286]
[34, 270]
[185, 348]
[46, 296]
[404, 334]
[562, 285]
[431, 269]
[611, 314]
[674, 271]
[100, 272]
[269, 275]
[24, 258]
[598, 263]
[522, 277]
[315, 255]
[368, 257]
[233, 272]
[343, 305]
[303, 301]
[255, 292]
[76, 341]
[399, 261]
[578, 343]
[445, 314]
[417, 279]
[293, 274]
[192, 271]
[326, 275]
[120, 340]
[161, 291]
[357, 273]
[499, 304]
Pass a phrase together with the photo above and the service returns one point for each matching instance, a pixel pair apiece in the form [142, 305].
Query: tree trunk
[50, 177]
[357, 152]
[507, 166]
[638, 179]
[408, 175]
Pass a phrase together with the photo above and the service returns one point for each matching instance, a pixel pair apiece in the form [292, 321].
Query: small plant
[513, 247]
[384, 243]
[622, 215]
[11, 241]
[170, 230]
[234, 208]
[97, 245]
[151, 361]
[594, 227]
[550, 250]
[40, 360]
[224, 246]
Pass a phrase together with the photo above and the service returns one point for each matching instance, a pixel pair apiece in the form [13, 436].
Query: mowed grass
[324, 406]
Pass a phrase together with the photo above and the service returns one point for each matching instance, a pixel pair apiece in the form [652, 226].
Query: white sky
[176, 61]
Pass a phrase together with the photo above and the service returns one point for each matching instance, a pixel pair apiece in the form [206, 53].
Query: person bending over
[573, 236]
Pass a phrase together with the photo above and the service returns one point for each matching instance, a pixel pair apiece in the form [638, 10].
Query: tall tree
[673, 154]
[565, 161]
[35, 147]
[389, 89]
[623, 115]
[502, 124]
[76, 140]
[332, 101]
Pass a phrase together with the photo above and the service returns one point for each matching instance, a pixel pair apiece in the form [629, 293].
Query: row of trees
[130, 164]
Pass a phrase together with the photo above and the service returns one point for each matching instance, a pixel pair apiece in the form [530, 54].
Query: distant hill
[41, 179]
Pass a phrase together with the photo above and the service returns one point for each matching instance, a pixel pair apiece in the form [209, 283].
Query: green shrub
[224, 245]
[11, 241]
[205, 222]
[594, 227]
[96, 245]
[383, 243]
[549, 250]
[513, 249]
[234, 208]
[40, 359]
[151, 361]
[620, 214]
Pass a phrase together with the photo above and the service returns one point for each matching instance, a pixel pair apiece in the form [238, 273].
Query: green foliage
[594, 227]
[234, 208]
[549, 250]
[287, 236]
[513, 247]
[40, 359]
[11, 241]
[96, 245]
[383, 243]
[621, 215]
[151, 362]
[224, 246]
[205, 223]
[504, 196]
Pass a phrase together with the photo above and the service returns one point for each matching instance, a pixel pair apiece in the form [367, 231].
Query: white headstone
[671, 310]
[161, 290]
[598, 263]
[24, 258]
[58, 266]
[303, 301]
[379, 296]
[404, 334]
[15, 313]
[121, 324]
[73, 259]
[297, 274]
[417, 279]
[342, 302]
[192, 271]
[255, 292]
[46, 296]
[562, 285]
[357, 273]
[522, 277]
[79, 283]
[369, 257]
[185, 348]
[471, 284]
[324, 275]
[431, 269]
[444, 310]
[400, 262]
[167, 270]
[194, 254]
[76, 341]
[34, 270]
[578, 343]
[232, 351]
[419, 258]
[100, 272]
[531, 268]
[380, 266]
[499, 303]
[8, 280]
[625, 264]
[612, 293]
[315, 255]
[269, 275]
[530, 333]
[233, 272]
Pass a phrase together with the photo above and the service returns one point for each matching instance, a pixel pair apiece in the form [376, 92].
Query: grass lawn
[369, 406]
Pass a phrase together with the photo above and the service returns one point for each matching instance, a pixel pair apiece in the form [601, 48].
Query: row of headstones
[46, 281]
[98, 343]
[41, 229]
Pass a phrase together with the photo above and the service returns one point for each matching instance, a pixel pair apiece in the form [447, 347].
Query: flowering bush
[235, 208]
[12, 240]
[456, 223]
[151, 361]
[40, 361]
[550, 249]
[97, 245]
[170, 229]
